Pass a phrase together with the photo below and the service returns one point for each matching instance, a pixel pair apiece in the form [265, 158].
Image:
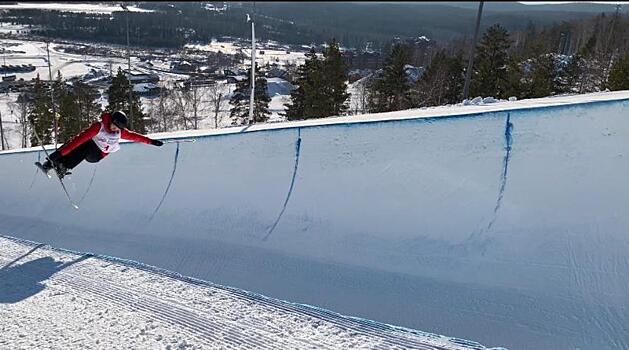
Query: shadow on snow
[19, 282]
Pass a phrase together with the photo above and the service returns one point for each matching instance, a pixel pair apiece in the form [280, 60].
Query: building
[139, 78]
[146, 89]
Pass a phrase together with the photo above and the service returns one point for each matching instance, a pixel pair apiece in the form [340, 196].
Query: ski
[63, 186]
[41, 168]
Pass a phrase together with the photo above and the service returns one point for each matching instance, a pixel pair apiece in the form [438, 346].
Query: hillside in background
[352, 24]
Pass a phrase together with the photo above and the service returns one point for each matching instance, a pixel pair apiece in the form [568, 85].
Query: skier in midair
[94, 144]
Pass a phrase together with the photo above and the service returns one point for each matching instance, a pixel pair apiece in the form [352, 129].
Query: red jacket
[90, 132]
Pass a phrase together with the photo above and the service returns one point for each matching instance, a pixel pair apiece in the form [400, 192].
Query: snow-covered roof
[144, 87]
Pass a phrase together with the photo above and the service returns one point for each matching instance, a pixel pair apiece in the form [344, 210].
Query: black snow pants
[86, 151]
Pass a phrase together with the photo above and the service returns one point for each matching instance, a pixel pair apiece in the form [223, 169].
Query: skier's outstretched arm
[135, 137]
[80, 139]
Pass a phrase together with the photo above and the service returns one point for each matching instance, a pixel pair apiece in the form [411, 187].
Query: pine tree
[543, 76]
[307, 99]
[87, 100]
[261, 112]
[619, 75]
[322, 86]
[490, 64]
[334, 81]
[77, 108]
[40, 113]
[241, 97]
[516, 85]
[118, 94]
[68, 113]
[392, 91]
[442, 82]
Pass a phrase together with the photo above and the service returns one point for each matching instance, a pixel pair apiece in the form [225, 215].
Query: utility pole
[610, 38]
[2, 133]
[253, 66]
[124, 6]
[470, 63]
[52, 95]
[4, 57]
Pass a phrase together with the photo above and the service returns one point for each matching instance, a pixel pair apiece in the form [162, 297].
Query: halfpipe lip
[424, 114]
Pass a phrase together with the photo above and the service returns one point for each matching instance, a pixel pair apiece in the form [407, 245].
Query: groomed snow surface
[54, 299]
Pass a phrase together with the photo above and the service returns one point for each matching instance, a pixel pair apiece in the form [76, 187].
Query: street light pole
[124, 6]
[52, 95]
[2, 133]
[253, 68]
[470, 63]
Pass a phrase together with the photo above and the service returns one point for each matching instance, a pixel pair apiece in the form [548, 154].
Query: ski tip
[75, 206]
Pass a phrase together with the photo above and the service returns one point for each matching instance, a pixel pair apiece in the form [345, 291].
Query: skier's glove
[157, 143]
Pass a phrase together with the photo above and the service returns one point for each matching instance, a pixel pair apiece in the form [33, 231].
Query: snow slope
[65, 300]
[505, 223]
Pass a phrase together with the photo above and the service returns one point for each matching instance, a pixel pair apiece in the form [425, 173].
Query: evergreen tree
[543, 76]
[88, 106]
[241, 97]
[40, 113]
[490, 64]
[118, 94]
[322, 88]
[78, 108]
[516, 85]
[392, 91]
[442, 82]
[334, 81]
[307, 99]
[619, 75]
[68, 113]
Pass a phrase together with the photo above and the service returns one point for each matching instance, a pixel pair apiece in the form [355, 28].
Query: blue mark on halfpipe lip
[170, 182]
[505, 169]
[292, 184]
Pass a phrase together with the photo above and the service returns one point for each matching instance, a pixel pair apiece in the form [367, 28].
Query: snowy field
[77, 7]
[266, 52]
[64, 300]
[503, 223]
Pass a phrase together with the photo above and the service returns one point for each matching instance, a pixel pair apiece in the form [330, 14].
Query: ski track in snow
[88, 301]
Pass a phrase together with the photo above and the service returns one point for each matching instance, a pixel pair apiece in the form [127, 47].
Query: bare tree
[359, 97]
[217, 94]
[19, 108]
[163, 110]
[181, 99]
[195, 98]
